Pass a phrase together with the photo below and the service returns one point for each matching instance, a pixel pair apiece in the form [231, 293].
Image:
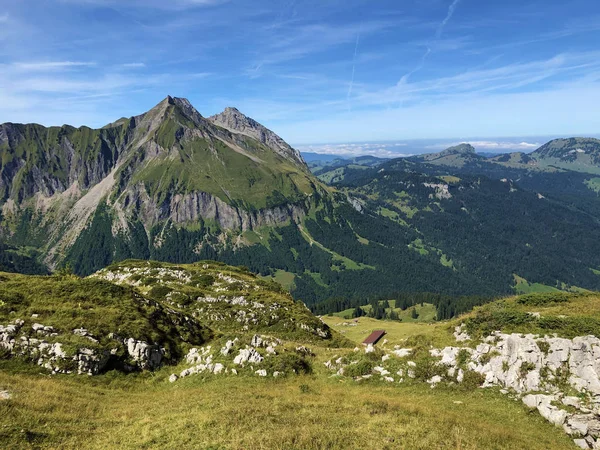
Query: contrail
[437, 36]
[353, 67]
[451, 9]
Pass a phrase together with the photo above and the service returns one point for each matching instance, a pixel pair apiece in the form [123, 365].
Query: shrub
[203, 280]
[159, 292]
[488, 320]
[486, 357]
[526, 367]
[286, 363]
[462, 358]
[363, 367]
[543, 346]
[472, 380]
[542, 299]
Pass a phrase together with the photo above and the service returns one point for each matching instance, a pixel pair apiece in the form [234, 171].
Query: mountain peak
[237, 122]
[162, 110]
[463, 148]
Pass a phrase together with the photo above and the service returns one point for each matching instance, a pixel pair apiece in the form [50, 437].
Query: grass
[311, 411]
[439, 333]
[286, 279]
[593, 184]
[225, 172]
[307, 412]
[564, 314]
[68, 302]
[450, 179]
[522, 286]
[266, 307]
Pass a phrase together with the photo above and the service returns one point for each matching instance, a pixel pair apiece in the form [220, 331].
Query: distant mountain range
[175, 186]
[575, 154]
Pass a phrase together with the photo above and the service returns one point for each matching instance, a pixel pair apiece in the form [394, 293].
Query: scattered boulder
[305, 351]
[460, 334]
[147, 356]
[248, 355]
[402, 352]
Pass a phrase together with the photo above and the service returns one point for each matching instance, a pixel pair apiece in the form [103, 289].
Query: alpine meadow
[357, 224]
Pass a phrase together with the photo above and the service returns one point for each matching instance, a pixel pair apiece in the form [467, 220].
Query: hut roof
[374, 337]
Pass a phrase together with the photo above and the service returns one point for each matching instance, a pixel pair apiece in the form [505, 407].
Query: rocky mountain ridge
[233, 120]
[168, 165]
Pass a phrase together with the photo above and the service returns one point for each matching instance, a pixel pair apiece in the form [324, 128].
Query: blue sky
[312, 70]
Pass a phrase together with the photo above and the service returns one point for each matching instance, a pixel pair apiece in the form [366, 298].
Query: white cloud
[3, 18]
[379, 149]
[134, 65]
[51, 65]
[490, 145]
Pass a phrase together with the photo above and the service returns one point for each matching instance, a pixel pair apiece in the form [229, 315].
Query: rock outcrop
[233, 120]
[558, 377]
[255, 357]
[195, 206]
[47, 351]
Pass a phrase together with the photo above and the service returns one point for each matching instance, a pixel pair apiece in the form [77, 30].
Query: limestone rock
[146, 356]
[248, 355]
[402, 352]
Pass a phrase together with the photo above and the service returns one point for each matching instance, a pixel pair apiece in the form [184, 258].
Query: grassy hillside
[311, 411]
[224, 298]
[561, 313]
[50, 309]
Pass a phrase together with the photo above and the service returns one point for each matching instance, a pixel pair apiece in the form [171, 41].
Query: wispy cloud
[285, 45]
[332, 71]
[51, 65]
[500, 78]
[156, 4]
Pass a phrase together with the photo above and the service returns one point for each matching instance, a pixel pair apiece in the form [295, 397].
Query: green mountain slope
[456, 156]
[174, 186]
[169, 165]
[491, 229]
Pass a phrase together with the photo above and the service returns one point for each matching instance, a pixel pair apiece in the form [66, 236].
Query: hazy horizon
[408, 147]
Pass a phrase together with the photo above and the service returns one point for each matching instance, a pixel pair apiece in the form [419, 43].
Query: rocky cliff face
[236, 122]
[196, 206]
